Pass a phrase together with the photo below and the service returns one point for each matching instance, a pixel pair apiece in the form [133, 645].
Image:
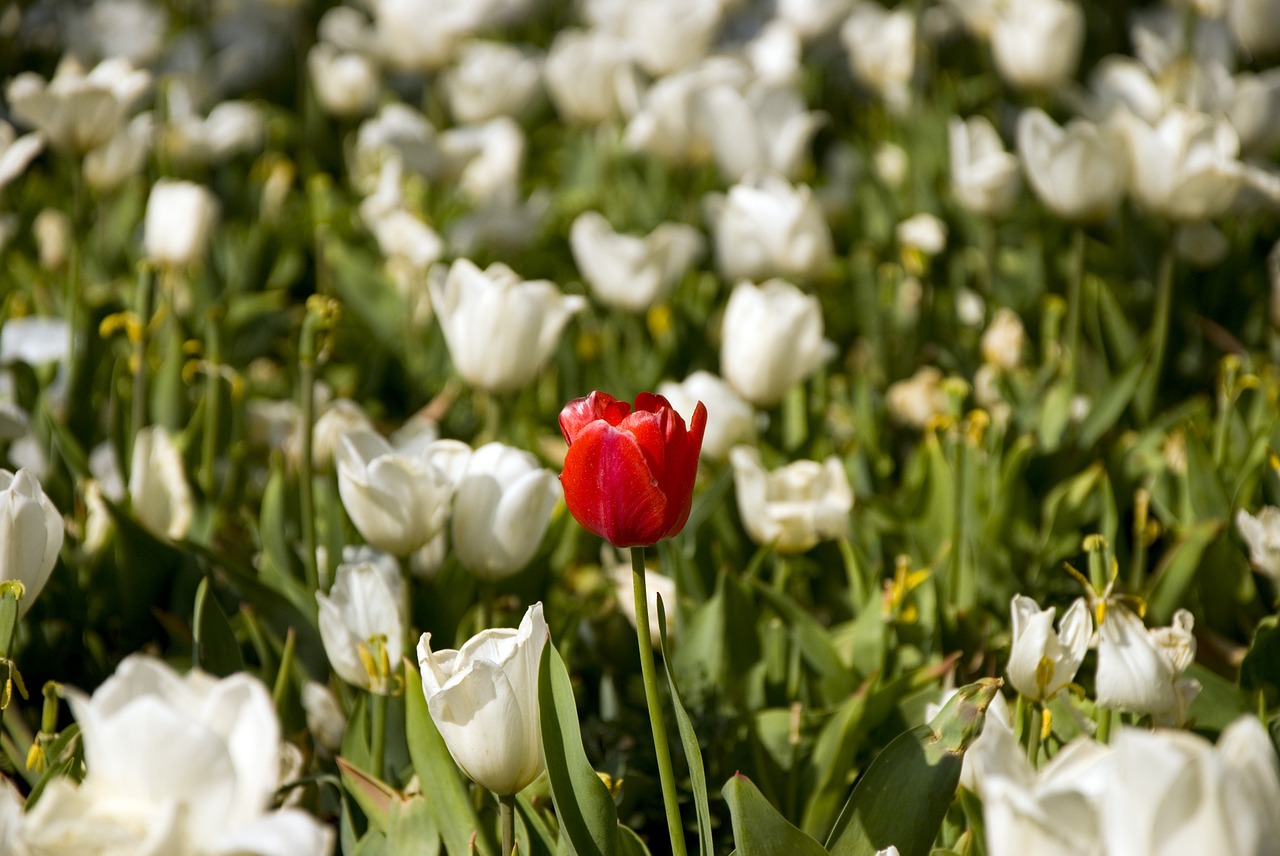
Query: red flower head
[628, 476]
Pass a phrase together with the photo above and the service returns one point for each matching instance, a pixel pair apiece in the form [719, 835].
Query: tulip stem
[306, 488]
[1102, 716]
[1035, 722]
[507, 814]
[1074, 286]
[1145, 398]
[666, 772]
[142, 307]
[378, 731]
[212, 407]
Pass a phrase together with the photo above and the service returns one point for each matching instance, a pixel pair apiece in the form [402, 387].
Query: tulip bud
[158, 484]
[1042, 662]
[771, 340]
[730, 420]
[345, 83]
[180, 217]
[1003, 340]
[52, 229]
[794, 507]
[628, 476]
[362, 623]
[31, 532]
[628, 272]
[483, 699]
[501, 510]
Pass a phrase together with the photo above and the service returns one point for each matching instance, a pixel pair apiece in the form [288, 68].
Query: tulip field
[621, 427]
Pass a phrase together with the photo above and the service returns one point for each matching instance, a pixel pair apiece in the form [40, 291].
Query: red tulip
[628, 476]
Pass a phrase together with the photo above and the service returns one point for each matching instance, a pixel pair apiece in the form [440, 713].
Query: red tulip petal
[580, 412]
[610, 489]
[684, 466]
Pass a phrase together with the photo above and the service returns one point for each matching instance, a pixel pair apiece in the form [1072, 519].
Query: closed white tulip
[1036, 43]
[1078, 172]
[1255, 24]
[882, 49]
[793, 507]
[31, 532]
[771, 340]
[628, 272]
[179, 222]
[492, 79]
[1261, 535]
[346, 83]
[1140, 670]
[397, 500]
[483, 699]
[730, 419]
[985, 178]
[500, 329]
[767, 227]
[176, 765]
[158, 488]
[501, 510]
[1042, 661]
[590, 76]
[763, 126]
[362, 623]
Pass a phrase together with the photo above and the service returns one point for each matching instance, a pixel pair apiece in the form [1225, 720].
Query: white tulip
[31, 531]
[492, 79]
[674, 120]
[1261, 535]
[924, 233]
[1003, 340]
[590, 76]
[501, 510]
[489, 158]
[1185, 167]
[11, 816]
[179, 222]
[767, 227]
[52, 230]
[325, 720]
[1043, 662]
[891, 164]
[881, 44]
[338, 417]
[16, 153]
[345, 83]
[985, 178]
[1037, 43]
[628, 272]
[362, 623]
[918, 400]
[1078, 172]
[662, 36]
[730, 419]
[1140, 670]
[771, 340]
[483, 699]
[775, 53]
[403, 237]
[793, 507]
[814, 18]
[656, 585]
[230, 128]
[423, 35]
[762, 127]
[78, 112]
[158, 485]
[398, 501]
[1255, 24]
[500, 329]
[123, 156]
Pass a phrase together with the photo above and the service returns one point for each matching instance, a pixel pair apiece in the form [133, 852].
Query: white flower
[767, 227]
[1078, 172]
[501, 510]
[133, 29]
[52, 230]
[656, 585]
[762, 127]
[423, 35]
[325, 720]
[488, 158]
[230, 128]
[180, 218]
[775, 52]
[918, 399]
[922, 232]
[674, 119]
[590, 76]
[1255, 24]
[177, 766]
[362, 623]
[1262, 536]
[730, 419]
[984, 177]
[891, 164]
[771, 340]
[492, 79]
[1036, 43]
[1003, 340]
[31, 532]
[338, 417]
[483, 699]
[1140, 670]
[882, 49]
[123, 156]
[1043, 662]
[662, 36]
[16, 152]
[78, 112]
[397, 500]
[628, 272]
[793, 507]
[158, 485]
[11, 804]
[813, 18]
[500, 329]
[345, 82]
[402, 236]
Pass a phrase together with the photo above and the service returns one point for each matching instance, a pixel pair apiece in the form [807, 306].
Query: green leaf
[1108, 407]
[216, 648]
[689, 740]
[1177, 569]
[411, 831]
[1260, 670]
[442, 784]
[758, 828]
[588, 817]
[373, 795]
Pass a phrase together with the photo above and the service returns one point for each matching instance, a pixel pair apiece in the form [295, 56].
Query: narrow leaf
[758, 828]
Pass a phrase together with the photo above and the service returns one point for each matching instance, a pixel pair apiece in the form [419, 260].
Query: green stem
[1103, 717]
[306, 487]
[378, 731]
[666, 772]
[1145, 399]
[212, 407]
[507, 813]
[142, 308]
[1034, 724]
[1074, 287]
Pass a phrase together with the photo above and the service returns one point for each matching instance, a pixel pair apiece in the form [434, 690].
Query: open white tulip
[500, 329]
[662, 36]
[771, 340]
[628, 272]
[881, 44]
[794, 507]
[1078, 172]
[1043, 662]
[158, 485]
[1140, 670]
[1262, 536]
[483, 699]
[362, 623]
[1036, 43]
[985, 179]
[78, 112]
[179, 222]
[590, 76]
[31, 532]
[762, 126]
[766, 227]
[730, 419]
[501, 510]
[492, 79]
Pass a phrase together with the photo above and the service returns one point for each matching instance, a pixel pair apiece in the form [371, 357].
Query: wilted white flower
[492, 79]
[325, 720]
[590, 76]
[730, 419]
[767, 227]
[1185, 167]
[78, 112]
[1003, 340]
[362, 623]
[1036, 43]
[922, 232]
[158, 485]
[771, 340]
[123, 156]
[1043, 662]
[501, 510]
[1261, 535]
[31, 532]
[500, 329]
[346, 83]
[16, 152]
[917, 400]
[52, 230]
[882, 49]
[483, 699]
[984, 177]
[628, 272]
[1140, 670]
[1078, 172]
[179, 222]
[793, 507]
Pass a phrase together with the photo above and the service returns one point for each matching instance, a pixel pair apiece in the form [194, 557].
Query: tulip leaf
[373, 795]
[630, 844]
[1260, 669]
[214, 642]
[532, 833]
[1110, 404]
[446, 794]
[689, 740]
[1177, 569]
[411, 831]
[758, 828]
[584, 805]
